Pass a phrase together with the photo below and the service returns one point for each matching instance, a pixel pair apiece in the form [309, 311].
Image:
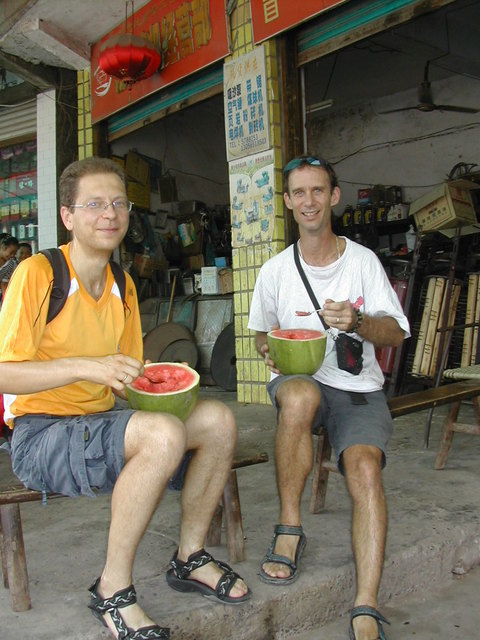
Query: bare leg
[298, 401]
[369, 529]
[212, 435]
[154, 447]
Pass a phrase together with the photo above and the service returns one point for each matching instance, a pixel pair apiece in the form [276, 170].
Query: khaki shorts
[350, 418]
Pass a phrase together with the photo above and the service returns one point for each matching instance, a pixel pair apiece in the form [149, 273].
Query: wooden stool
[322, 466]
[451, 426]
[230, 508]
[12, 548]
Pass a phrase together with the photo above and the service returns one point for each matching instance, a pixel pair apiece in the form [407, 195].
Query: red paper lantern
[129, 57]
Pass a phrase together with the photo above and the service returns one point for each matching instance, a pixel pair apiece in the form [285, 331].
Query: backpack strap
[61, 281]
[119, 275]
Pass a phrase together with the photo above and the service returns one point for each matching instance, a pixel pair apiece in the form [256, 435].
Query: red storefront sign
[190, 35]
[270, 17]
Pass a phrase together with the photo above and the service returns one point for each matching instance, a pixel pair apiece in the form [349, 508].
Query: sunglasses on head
[298, 162]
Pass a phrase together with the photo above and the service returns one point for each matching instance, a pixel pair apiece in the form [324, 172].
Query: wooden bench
[12, 494]
[452, 394]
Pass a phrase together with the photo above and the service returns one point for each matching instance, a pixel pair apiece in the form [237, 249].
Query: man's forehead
[100, 179]
[307, 173]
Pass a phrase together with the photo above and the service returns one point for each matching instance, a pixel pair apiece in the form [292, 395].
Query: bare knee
[212, 423]
[298, 401]
[363, 469]
[159, 436]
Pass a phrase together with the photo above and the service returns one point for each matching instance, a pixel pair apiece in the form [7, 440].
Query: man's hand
[262, 348]
[114, 371]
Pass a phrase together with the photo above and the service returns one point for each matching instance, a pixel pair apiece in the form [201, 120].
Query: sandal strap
[200, 559]
[227, 579]
[120, 599]
[148, 633]
[195, 561]
[288, 530]
[275, 557]
[123, 598]
[365, 610]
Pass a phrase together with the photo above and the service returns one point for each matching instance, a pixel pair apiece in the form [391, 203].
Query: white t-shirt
[357, 276]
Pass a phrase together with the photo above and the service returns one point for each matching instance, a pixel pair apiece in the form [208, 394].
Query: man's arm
[33, 376]
[382, 331]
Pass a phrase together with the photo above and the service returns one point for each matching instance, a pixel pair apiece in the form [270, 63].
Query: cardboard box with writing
[210, 281]
[449, 205]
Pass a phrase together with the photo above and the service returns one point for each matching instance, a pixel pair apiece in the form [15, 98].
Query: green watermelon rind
[178, 403]
[302, 356]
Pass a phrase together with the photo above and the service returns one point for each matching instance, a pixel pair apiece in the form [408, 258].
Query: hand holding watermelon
[295, 351]
[169, 387]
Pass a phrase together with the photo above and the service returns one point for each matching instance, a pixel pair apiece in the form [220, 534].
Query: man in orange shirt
[60, 380]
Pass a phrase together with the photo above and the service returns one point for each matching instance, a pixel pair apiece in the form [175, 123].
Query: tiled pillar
[85, 130]
[252, 374]
[47, 170]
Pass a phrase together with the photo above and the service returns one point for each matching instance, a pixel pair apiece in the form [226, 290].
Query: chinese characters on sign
[252, 199]
[246, 106]
[270, 17]
[189, 34]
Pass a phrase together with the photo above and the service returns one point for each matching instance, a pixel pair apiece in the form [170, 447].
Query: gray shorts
[350, 418]
[73, 455]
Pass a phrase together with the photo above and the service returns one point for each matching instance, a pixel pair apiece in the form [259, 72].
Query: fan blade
[451, 107]
[397, 110]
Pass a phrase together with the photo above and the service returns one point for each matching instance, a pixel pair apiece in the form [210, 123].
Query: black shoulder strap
[307, 284]
[61, 281]
[119, 275]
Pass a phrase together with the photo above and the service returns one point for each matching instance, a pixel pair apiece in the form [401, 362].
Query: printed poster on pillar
[252, 199]
[246, 105]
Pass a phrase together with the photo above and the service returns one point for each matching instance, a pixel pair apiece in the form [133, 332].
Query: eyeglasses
[303, 160]
[120, 206]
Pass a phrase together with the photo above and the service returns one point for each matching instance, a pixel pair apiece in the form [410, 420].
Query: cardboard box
[146, 266]
[139, 194]
[195, 263]
[447, 206]
[226, 280]
[397, 212]
[210, 281]
[137, 169]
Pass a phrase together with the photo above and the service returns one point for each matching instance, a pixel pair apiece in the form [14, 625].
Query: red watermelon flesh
[164, 379]
[297, 334]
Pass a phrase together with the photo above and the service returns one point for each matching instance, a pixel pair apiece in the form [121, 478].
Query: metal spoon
[306, 313]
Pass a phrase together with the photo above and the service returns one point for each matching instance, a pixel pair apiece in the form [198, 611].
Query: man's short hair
[70, 177]
[312, 161]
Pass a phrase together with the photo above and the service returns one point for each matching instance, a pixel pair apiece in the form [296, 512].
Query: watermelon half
[297, 350]
[169, 387]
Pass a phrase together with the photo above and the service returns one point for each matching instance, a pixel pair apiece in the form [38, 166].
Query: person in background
[59, 381]
[24, 251]
[356, 299]
[8, 263]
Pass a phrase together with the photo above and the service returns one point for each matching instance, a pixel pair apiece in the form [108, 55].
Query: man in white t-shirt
[356, 299]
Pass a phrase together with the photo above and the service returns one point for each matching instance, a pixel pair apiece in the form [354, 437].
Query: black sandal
[271, 556]
[124, 598]
[178, 578]
[365, 610]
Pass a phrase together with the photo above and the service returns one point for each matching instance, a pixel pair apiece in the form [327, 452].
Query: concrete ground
[446, 611]
[434, 537]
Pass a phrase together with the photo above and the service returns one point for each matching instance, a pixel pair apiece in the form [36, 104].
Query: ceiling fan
[426, 103]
